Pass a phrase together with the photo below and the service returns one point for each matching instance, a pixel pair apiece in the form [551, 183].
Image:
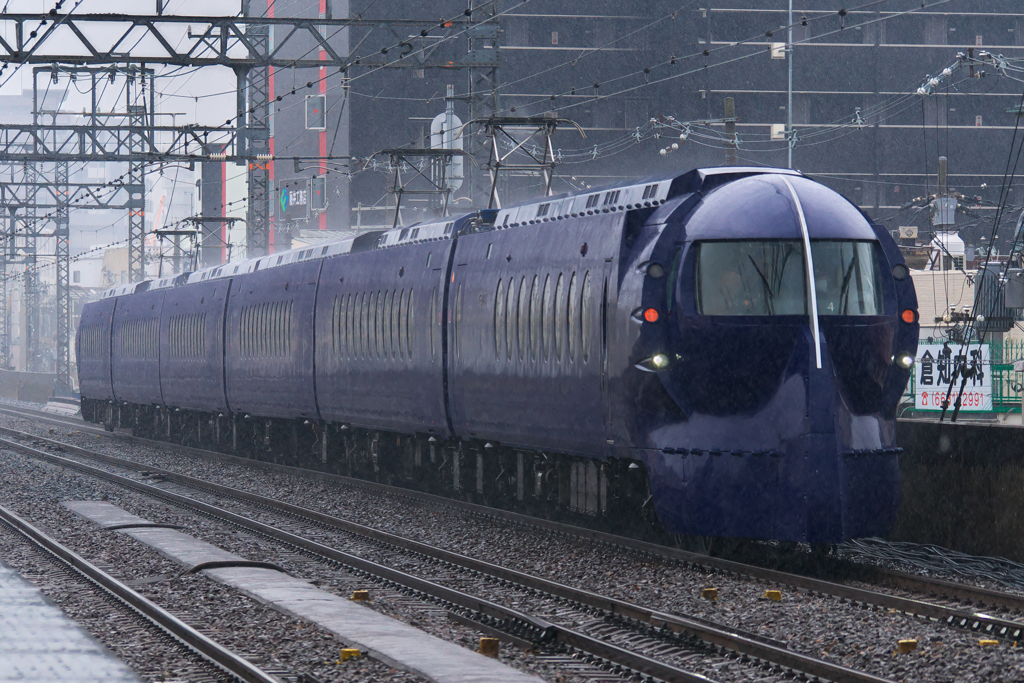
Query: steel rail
[708, 632]
[150, 611]
[506, 619]
[977, 621]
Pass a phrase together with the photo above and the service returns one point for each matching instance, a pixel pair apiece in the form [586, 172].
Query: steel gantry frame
[241, 43]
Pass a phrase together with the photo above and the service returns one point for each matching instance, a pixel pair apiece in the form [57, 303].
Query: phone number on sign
[933, 399]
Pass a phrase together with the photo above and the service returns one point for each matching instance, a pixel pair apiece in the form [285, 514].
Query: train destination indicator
[933, 371]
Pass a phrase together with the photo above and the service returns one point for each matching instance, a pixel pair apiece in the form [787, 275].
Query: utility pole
[730, 132]
[482, 59]
[789, 89]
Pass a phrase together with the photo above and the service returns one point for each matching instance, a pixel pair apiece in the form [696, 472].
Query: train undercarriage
[612, 495]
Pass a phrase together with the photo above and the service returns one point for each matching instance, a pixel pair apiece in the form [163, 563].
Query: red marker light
[651, 315]
[909, 316]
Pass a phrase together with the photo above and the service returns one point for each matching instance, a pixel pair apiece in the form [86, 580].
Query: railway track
[935, 588]
[151, 614]
[622, 636]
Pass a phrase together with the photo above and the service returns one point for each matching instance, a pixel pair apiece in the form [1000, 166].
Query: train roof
[650, 192]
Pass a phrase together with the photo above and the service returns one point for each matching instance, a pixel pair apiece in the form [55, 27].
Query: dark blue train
[724, 349]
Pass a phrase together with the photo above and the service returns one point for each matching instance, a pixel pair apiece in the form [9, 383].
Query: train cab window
[585, 310]
[573, 316]
[768, 277]
[499, 320]
[847, 277]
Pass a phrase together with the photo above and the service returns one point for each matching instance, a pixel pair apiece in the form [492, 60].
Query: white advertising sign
[933, 370]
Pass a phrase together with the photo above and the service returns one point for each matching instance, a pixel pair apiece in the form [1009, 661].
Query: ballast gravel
[816, 625]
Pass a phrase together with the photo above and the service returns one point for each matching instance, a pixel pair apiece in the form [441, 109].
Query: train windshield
[768, 277]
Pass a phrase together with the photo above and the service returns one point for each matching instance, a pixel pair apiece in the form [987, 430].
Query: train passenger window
[490, 248]
[347, 322]
[288, 328]
[429, 254]
[547, 317]
[499, 320]
[510, 320]
[409, 327]
[458, 322]
[559, 316]
[374, 351]
[385, 325]
[574, 316]
[394, 338]
[402, 329]
[524, 318]
[433, 320]
[535, 313]
[382, 300]
[585, 311]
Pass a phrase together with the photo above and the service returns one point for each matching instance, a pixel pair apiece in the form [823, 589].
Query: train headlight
[658, 361]
[904, 360]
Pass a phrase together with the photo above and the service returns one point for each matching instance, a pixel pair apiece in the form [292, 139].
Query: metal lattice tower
[5, 330]
[30, 294]
[256, 140]
[62, 236]
[136, 194]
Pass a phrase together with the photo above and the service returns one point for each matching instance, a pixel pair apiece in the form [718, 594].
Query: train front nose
[783, 340]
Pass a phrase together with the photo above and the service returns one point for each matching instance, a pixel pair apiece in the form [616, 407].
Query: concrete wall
[35, 387]
[963, 487]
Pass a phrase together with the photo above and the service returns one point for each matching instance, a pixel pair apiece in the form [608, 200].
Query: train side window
[346, 330]
[524, 318]
[390, 299]
[347, 322]
[458, 323]
[382, 324]
[535, 318]
[335, 325]
[385, 324]
[402, 330]
[375, 343]
[574, 316]
[556, 321]
[288, 328]
[432, 322]
[510, 320]
[257, 327]
[429, 255]
[397, 344]
[499, 319]
[547, 317]
[585, 318]
[410, 329]
[274, 329]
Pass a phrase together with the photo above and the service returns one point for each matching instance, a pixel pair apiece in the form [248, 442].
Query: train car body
[727, 346]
